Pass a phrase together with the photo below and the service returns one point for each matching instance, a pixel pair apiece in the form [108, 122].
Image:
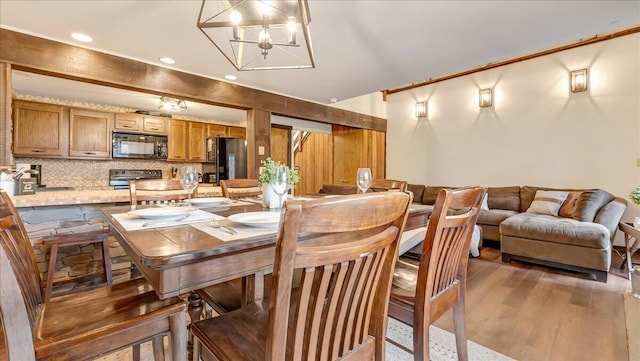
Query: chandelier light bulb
[235, 17]
[291, 27]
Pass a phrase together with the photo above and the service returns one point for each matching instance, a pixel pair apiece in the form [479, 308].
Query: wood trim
[258, 135]
[5, 113]
[583, 42]
[43, 56]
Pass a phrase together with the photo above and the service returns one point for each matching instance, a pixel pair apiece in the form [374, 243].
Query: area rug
[442, 345]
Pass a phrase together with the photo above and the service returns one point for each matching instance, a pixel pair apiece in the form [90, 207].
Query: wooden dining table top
[182, 258]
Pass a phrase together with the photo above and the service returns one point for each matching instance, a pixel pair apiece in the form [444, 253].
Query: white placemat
[241, 231]
[133, 223]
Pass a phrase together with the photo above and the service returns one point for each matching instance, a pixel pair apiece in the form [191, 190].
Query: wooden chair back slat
[21, 257]
[240, 187]
[156, 191]
[385, 185]
[346, 258]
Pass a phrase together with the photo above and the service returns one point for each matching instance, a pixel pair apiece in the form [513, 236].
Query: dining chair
[421, 294]
[240, 187]
[154, 191]
[345, 249]
[384, 185]
[80, 326]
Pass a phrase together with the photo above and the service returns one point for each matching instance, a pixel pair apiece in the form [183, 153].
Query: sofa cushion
[569, 205]
[556, 230]
[431, 193]
[504, 198]
[494, 217]
[589, 203]
[547, 202]
[417, 190]
[527, 193]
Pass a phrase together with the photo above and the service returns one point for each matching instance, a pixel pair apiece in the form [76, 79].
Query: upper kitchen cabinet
[137, 123]
[177, 140]
[155, 125]
[216, 130]
[89, 134]
[196, 138]
[38, 130]
[236, 132]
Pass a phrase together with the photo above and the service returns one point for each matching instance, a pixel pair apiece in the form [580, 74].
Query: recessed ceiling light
[167, 60]
[230, 77]
[82, 37]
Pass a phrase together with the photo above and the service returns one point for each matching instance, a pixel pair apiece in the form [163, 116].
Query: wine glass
[280, 182]
[363, 179]
[189, 180]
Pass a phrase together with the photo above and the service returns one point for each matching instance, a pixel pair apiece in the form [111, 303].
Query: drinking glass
[189, 180]
[363, 179]
[280, 183]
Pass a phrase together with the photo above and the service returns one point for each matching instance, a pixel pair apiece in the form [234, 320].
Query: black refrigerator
[231, 158]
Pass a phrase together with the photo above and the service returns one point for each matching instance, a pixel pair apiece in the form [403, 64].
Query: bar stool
[75, 240]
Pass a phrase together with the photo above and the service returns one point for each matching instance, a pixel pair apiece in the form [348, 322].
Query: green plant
[269, 169]
[635, 195]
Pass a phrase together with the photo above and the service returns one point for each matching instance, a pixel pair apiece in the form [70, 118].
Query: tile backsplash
[92, 174]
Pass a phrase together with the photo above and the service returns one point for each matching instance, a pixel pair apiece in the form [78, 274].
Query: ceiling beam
[48, 57]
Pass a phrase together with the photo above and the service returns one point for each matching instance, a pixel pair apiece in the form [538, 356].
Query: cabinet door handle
[127, 126]
[37, 151]
[90, 153]
[154, 128]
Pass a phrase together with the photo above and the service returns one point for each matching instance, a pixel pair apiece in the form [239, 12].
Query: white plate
[162, 212]
[209, 201]
[257, 219]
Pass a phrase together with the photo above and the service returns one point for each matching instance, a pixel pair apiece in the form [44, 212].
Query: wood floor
[536, 313]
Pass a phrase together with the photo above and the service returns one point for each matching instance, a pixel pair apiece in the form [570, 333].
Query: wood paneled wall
[5, 114]
[315, 163]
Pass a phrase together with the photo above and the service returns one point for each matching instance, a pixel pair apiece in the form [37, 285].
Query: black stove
[119, 178]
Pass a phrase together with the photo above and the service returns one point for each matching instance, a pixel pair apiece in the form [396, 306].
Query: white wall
[537, 133]
[370, 104]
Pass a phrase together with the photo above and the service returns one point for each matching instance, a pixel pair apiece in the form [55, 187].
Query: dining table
[179, 255]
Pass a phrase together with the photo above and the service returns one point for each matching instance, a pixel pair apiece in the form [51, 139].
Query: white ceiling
[360, 46]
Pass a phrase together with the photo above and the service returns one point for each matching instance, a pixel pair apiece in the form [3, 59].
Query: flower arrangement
[268, 171]
[635, 195]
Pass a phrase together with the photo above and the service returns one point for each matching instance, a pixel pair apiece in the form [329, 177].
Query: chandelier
[259, 35]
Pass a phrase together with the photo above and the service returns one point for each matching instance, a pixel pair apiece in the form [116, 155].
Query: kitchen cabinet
[178, 138]
[236, 132]
[137, 123]
[197, 133]
[89, 134]
[128, 122]
[38, 130]
[216, 130]
[154, 125]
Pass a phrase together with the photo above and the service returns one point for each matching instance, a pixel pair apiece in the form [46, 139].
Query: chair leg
[459, 327]
[421, 341]
[136, 352]
[50, 273]
[158, 348]
[106, 261]
[178, 327]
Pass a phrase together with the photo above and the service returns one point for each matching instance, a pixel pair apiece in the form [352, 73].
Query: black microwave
[139, 146]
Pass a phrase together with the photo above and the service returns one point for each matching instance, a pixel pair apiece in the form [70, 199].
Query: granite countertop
[77, 197]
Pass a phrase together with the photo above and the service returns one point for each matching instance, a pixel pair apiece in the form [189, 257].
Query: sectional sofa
[572, 229]
[578, 237]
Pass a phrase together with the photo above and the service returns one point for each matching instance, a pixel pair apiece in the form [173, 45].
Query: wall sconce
[421, 110]
[486, 98]
[579, 80]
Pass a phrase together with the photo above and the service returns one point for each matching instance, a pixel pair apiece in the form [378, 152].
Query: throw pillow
[569, 205]
[547, 202]
[485, 202]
